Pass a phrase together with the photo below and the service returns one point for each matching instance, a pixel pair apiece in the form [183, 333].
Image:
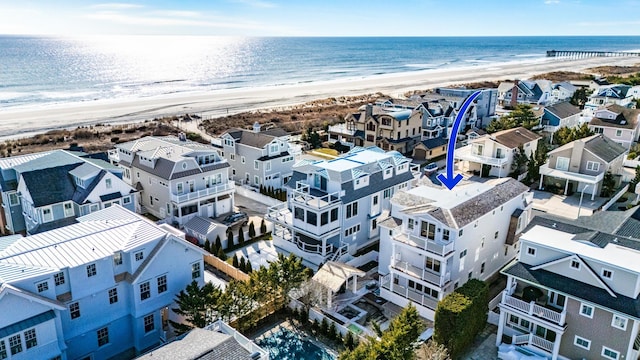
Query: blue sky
[321, 18]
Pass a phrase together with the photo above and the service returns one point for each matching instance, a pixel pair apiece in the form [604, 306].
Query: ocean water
[49, 70]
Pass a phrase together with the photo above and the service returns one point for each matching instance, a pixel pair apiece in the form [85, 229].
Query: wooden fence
[226, 268]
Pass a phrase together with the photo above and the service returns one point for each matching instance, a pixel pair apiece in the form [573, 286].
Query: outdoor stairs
[338, 254]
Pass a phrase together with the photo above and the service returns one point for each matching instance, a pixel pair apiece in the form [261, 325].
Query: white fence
[615, 198]
[264, 199]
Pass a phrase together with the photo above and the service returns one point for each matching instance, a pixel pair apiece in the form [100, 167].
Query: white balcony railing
[573, 176]
[533, 309]
[434, 247]
[423, 274]
[302, 195]
[408, 293]
[466, 153]
[194, 195]
[533, 340]
[249, 345]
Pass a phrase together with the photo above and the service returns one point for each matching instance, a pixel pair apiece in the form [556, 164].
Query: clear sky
[321, 17]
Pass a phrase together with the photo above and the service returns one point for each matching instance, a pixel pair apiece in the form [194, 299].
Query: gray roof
[513, 138]
[575, 288]
[251, 138]
[276, 131]
[51, 185]
[376, 184]
[435, 142]
[604, 148]
[626, 118]
[202, 345]
[480, 205]
[563, 110]
[200, 225]
[164, 168]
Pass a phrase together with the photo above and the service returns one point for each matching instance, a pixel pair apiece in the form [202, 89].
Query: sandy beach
[22, 122]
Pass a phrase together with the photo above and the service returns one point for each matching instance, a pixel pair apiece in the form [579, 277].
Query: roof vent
[623, 122]
[554, 225]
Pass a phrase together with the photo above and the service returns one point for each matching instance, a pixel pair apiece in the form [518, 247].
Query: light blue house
[47, 190]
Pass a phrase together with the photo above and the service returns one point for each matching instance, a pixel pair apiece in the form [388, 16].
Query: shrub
[218, 242]
[248, 267]
[229, 238]
[252, 230]
[324, 327]
[207, 246]
[263, 227]
[240, 236]
[243, 264]
[221, 255]
[234, 261]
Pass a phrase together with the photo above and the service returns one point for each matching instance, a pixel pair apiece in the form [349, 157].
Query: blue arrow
[449, 180]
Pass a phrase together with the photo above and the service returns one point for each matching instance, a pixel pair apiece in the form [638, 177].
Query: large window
[145, 290]
[334, 214]
[148, 323]
[91, 270]
[562, 163]
[103, 336]
[15, 344]
[352, 209]
[312, 218]
[593, 166]
[195, 270]
[113, 296]
[13, 199]
[42, 286]
[432, 264]
[320, 182]
[30, 338]
[162, 284]
[428, 230]
[619, 322]
[298, 213]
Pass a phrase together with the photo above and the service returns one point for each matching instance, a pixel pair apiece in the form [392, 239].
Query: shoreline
[16, 123]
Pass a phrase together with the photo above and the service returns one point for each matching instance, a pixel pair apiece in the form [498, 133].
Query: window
[531, 251]
[463, 253]
[42, 286]
[15, 344]
[162, 284]
[619, 322]
[324, 218]
[180, 188]
[30, 338]
[352, 209]
[107, 182]
[74, 310]
[482, 268]
[47, 215]
[13, 199]
[113, 296]
[586, 310]
[103, 336]
[91, 270]
[126, 200]
[375, 200]
[460, 233]
[352, 230]
[298, 213]
[145, 291]
[312, 218]
[387, 193]
[575, 264]
[607, 274]
[609, 353]
[195, 270]
[432, 264]
[139, 255]
[410, 224]
[495, 236]
[618, 133]
[232, 157]
[593, 166]
[3, 350]
[148, 323]
[59, 278]
[334, 214]
[428, 230]
[445, 235]
[582, 342]
[256, 180]
[256, 165]
[562, 163]
[117, 259]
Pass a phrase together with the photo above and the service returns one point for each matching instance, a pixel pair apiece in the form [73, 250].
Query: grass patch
[234, 247]
[330, 152]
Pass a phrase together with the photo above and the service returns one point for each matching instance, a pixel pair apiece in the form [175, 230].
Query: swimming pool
[284, 344]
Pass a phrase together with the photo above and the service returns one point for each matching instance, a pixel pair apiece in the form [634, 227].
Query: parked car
[236, 218]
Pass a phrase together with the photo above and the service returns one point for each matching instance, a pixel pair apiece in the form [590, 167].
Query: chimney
[514, 94]
[256, 127]
[368, 111]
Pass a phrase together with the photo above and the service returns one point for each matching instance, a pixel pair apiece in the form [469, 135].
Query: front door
[499, 153]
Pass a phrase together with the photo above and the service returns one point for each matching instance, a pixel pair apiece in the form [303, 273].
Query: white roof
[155, 147]
[357, 158]
[444, 198]
[95, 237]
[12, 161]
[613, 254]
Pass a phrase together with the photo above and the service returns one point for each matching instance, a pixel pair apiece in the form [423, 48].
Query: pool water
[284, 344]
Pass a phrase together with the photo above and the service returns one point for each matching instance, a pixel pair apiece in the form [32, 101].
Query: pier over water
[577, 54]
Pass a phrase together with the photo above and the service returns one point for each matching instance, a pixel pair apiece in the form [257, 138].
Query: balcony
[414, 296]
[113, 155]
[280, 214]
[305, 244]
[181, 198]
[533, 309]
[422, 274]
[569, 175]
[431, 246]
[533, 340]
[314, 198]
[467, 153]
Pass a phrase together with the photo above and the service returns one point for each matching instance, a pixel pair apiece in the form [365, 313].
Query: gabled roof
[50, 185]
[250, 138]
[626, 118]
[604, 148]
[618, 91]
[434, 143]
[513, 138]
[333, 274]
[563, 110]
[566, 85]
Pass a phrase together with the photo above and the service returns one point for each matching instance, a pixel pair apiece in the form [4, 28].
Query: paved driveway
[566, 206]
[250, 206]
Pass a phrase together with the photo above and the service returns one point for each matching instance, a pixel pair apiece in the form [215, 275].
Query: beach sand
[23, 122]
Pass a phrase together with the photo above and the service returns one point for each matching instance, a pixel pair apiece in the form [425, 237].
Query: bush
[324, 327]
[252, 230]
[243, 265]
[263, 227]
[248, 267]
[218, 242]
[221, 255]
[240, 236]
[115, 139]
[207, 246]
[460, 316]
[229, 238]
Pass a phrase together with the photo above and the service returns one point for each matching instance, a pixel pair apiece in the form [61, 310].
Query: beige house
[581, 164]
[495, 151]
[430, 149]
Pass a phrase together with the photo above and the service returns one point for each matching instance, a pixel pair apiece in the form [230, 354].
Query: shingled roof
[513, 138]
[626, 118]
[251, 138]
[604, 148]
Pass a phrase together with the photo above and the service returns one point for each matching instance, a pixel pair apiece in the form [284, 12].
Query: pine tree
[252, 230]
[207, 246]
[248, 267]
[221, 255]
[263, 227]
[229, 238]
[243, 265]
[234, 261]
[349, 342]
[240, 236]
[218, 242]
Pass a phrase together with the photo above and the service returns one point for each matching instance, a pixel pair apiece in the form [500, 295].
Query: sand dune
[15, 123]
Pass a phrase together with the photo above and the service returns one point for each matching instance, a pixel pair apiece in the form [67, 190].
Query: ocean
[53, 70]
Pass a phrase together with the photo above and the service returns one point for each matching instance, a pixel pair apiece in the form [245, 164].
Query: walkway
[484, 347]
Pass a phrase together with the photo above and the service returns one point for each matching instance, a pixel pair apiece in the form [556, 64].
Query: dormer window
[274, 148]
[107, 183]
[228, 142]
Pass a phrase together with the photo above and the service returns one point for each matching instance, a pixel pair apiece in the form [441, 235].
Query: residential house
[438, 116]
[524, 92]
[618, 123]
[437, 239]
[390, 125]
[177, 179]
[573, 291]
[484, 104]
[559, 115]
[333, 206]
[562, 92]
[617, 94]
[492, 155]
[97, 289]
[47, 190]
[258, 157]
[215, 341]
[430, 149]
[344, 133]
[581, 165]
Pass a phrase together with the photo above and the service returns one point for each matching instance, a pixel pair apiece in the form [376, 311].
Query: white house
[333, 206]
[93, 290]
[177, 179]
[437, 239]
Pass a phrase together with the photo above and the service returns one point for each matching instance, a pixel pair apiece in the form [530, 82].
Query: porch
[581, 182]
